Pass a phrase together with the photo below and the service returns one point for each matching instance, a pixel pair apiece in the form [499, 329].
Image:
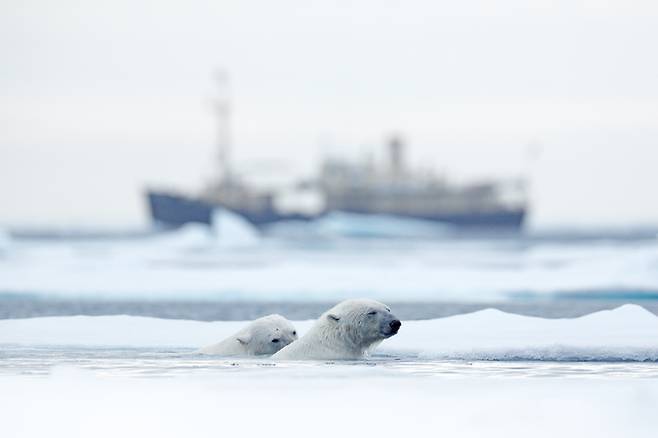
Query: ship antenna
[223, 109]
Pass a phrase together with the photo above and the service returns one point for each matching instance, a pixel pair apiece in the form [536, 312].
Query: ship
[359, 188]
[362, 187]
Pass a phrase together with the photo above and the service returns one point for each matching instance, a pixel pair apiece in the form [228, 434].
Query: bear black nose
[395, 325]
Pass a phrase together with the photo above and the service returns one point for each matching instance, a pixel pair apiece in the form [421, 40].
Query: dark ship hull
[173, 210]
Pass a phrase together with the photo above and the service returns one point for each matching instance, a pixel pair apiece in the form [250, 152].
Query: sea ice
[626, 333]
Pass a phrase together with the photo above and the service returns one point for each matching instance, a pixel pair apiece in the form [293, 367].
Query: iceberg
[233, 231]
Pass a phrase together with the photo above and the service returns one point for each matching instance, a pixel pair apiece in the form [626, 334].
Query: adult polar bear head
[263, 336]
[346, 331]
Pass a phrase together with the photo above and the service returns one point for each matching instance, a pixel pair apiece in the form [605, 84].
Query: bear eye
[372, 312]
[294, 333]
[275, 340]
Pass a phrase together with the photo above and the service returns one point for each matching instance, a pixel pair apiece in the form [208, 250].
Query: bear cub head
[267, 335]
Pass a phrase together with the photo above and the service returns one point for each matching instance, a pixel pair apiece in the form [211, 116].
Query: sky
[99, 100]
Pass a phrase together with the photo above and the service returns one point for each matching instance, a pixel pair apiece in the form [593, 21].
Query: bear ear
[333, 317]
[244, 339]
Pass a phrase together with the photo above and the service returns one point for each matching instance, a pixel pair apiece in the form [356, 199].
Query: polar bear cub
[347, 331]
[263, 336]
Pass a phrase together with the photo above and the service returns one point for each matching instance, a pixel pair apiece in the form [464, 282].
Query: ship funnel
[396, 155]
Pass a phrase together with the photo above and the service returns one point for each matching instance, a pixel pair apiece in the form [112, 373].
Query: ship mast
[223, 109]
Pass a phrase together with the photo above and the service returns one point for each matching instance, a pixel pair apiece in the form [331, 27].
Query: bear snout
[395, 325]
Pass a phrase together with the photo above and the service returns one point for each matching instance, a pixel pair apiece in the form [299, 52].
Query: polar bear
[263, 336]
[346, 331]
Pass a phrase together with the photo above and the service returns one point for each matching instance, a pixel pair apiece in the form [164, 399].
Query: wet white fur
[346, 331]
[256, 338]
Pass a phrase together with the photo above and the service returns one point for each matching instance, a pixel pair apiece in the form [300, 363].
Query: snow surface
[73, 404]
[626, 333]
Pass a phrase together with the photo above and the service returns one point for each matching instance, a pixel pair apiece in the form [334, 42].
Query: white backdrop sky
[98, 99]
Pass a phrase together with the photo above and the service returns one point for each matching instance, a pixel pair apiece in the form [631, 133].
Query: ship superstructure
[400, 191]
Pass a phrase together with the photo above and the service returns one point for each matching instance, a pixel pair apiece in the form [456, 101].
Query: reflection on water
[145, 362]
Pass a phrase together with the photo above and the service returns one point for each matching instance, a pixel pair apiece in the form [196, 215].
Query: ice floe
[628, 333]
